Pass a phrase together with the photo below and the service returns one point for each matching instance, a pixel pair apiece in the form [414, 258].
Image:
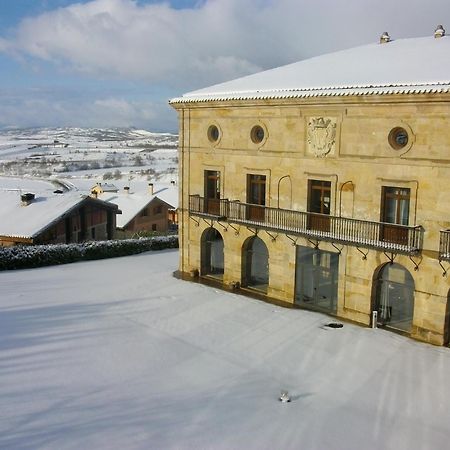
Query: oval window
[398, 138]
[213, 133]
[257, 134]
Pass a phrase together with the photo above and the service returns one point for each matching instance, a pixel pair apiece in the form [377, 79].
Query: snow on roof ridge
[323, 92]
[322, 88]
[424, 64]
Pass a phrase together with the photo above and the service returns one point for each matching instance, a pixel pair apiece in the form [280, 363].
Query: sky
[116, 63]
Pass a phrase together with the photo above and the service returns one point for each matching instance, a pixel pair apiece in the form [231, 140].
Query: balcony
[341, 230]
[444, 246]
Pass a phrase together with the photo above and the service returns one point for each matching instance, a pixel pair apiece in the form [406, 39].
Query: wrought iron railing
[444, 245]
[360, 233]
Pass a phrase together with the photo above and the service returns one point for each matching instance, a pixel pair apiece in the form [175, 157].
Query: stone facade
[345, 142]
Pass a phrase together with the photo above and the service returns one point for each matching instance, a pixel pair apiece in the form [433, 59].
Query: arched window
[255, 267]
[394, 297]
[212, 253]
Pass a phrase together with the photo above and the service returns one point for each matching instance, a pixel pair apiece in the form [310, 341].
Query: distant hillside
[99, 153]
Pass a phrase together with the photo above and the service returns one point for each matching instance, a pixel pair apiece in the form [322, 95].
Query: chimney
[439, 32]
[27, 198]
[126, 189]
[384, 38]
[150, 188]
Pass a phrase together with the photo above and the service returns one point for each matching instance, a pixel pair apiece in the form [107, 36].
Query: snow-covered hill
[95, 154]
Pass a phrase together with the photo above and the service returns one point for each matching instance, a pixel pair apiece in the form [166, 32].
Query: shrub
[25, 257]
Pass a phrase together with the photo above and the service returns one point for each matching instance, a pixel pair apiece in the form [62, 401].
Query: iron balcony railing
[444, 245]
[360, 233]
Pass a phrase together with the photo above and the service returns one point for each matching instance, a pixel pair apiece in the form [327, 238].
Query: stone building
[325, 184]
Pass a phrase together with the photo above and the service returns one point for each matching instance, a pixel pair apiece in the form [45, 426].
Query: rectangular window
[157, 209]
[256, 189]
[319, 204]
[395, 205]
[395, 210]
[256, 195]
[212, 192]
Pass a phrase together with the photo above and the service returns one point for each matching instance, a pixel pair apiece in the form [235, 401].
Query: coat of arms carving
[321, 135]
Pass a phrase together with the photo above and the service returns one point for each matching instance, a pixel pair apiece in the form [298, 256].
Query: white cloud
[177, 50]
[218, 40]
[34, 107]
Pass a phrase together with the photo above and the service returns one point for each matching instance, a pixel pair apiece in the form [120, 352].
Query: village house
[52, 218]
[151, 210]
[325, 184]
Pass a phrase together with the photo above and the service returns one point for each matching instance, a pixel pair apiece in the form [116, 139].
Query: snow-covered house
[324, 184]
[101, 188]
[48, 218]
[143, 211]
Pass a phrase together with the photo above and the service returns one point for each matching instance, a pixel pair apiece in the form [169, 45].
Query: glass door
[395, 210]
[319, 203]
[212, 192]
[256, 196]
[317, 274]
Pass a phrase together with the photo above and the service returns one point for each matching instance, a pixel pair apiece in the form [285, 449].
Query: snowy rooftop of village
[416, 65]
[117, 354]
[133, 201]
[27, 221]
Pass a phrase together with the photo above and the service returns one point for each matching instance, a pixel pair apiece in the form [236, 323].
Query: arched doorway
[212, 262]
[316, 279]
[255, 267]
[394, 297]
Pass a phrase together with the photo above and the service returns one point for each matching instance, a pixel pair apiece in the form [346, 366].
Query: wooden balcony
[340, 230]
[444, 245]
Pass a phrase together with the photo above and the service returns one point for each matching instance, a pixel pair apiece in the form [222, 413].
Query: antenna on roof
[439, 32]
[384, 38]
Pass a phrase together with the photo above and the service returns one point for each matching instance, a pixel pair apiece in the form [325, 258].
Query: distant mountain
[88, 135]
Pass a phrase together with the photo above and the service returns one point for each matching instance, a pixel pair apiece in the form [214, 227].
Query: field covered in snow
[86, 155]
[117, 354]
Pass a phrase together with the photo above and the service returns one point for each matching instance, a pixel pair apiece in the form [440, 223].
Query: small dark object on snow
[284, 397]
[335, 325]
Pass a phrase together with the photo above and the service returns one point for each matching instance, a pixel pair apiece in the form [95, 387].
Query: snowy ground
[116, 354]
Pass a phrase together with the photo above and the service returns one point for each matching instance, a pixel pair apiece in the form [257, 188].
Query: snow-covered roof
[132, 203]
[169, 195]
[108, 187]
[29, 221]
[403, 66]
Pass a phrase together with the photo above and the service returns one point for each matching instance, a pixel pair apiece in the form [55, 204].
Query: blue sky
[117, 62]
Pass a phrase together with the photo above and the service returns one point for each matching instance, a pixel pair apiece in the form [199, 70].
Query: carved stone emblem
[321, 135]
